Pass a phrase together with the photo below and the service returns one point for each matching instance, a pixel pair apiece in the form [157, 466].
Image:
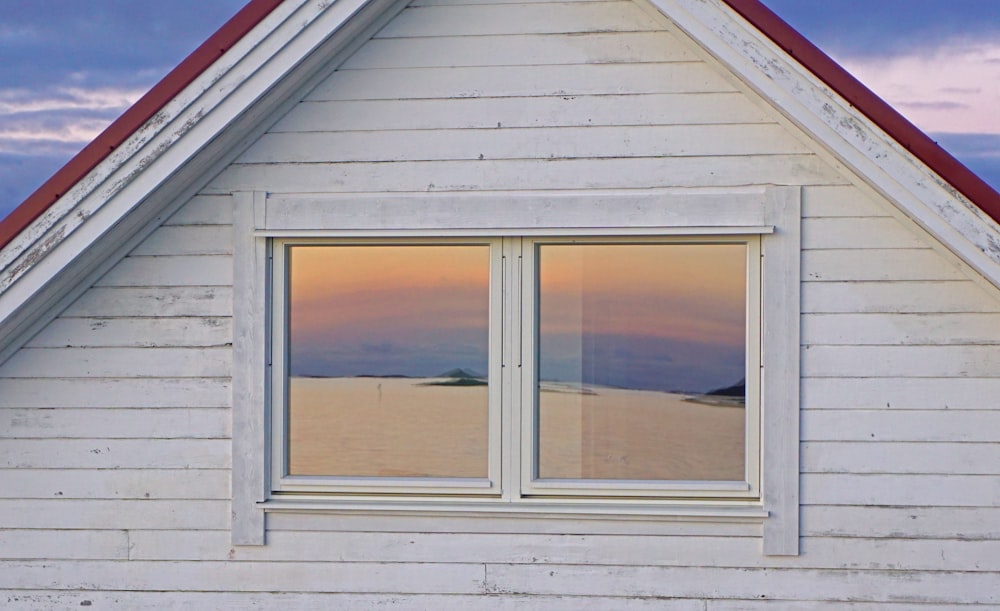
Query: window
[518, 354]
[383, 366]
[633, 367]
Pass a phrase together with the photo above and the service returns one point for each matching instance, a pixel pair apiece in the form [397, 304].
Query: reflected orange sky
[694, 292]
[400, 310]
[419, 310]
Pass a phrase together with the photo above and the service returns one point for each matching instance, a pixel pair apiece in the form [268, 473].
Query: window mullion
[511, 374]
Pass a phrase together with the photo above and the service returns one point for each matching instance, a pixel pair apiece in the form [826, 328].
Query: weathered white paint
[537, 174]
[522, 81]
[146, 332]
[718, 211]
[171, 271]
[97, 424]
[443, 112]
[115, 467]
[251, 368]
[781, 302]
[517, 143]
[110, 482]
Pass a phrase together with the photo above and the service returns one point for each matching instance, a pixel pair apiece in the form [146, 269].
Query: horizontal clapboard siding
[116, 415]
[522, 98]
[734, 552]
[557, 111]
[61, 513]
[523, 143]
[490, 19]
[37, 599]
[156, 423]
[115, 422]
[537, 174]
[49, 393]
[899, 358]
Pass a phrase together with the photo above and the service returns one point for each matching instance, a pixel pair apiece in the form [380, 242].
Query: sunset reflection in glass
[642, 361]
[388, 360]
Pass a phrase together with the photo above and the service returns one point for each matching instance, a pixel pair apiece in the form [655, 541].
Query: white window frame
[773, 213]
[281, 482]
[530, 485]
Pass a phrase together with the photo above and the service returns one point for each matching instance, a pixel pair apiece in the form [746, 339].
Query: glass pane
[388, 360]
[642, 361]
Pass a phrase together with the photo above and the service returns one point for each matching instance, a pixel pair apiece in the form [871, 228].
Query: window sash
[533, 486]
[282, 481]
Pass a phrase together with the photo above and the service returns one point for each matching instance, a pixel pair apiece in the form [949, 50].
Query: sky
[69, 67]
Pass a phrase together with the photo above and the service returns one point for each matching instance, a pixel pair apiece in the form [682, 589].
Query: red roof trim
[873, 107]
[761, 17]
[134, 118]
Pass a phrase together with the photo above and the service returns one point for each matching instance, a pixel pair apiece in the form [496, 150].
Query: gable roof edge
[65, 249]
[137, 115]
[875, 108]
[917, 188]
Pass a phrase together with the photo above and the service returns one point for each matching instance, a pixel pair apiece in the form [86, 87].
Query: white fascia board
[124, 179]
[852, 138]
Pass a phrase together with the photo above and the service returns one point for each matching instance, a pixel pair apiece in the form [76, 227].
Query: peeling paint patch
[31, 257]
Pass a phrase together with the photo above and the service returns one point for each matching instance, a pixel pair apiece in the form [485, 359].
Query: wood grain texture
[187, 240]
[250, 359]
[877, 264]
[154, 302]
[901, 490]
[900, 296]
[154, 601]
[517, 81]
[487, 174]
[940, 393]
[114, 453]
[782, 584]
[170, 271]
[115, 483]
[135, 332]
[203, 210]
[901, 425]
[492, 19]
[519, 50]
[624, 551]
[550, 111]
[48, 393]
[901, 361]
[61, 513]
[781, 372]
[89, 423]
[507, 19]
[523, 143]
[889, 329]
[918, 523]
[68, 544]
[184, 362]
[246, 576]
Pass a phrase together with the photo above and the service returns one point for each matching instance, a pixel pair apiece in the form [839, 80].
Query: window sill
[528, 508]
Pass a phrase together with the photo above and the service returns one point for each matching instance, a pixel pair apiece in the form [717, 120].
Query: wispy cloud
[65, 99]
[954, 88]
[58, 122]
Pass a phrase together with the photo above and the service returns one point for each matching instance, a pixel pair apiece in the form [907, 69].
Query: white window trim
[773, 212]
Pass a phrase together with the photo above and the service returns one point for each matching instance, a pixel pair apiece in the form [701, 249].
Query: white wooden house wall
[115, 421]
